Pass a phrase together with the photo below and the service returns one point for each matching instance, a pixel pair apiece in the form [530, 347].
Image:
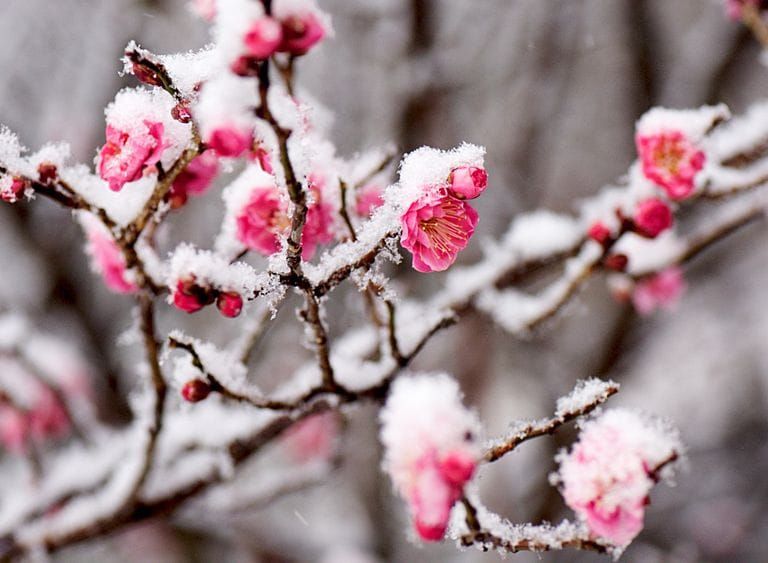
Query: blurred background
[552, 88]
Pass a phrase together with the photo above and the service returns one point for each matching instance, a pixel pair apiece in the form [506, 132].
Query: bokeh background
[552, 88]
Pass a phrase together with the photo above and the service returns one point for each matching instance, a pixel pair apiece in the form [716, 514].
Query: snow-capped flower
[304, 25]
[11, 188]
[195, 179]
[670, 159]
[431, 448]
[128, 155]
[609, 472]
[652, 217]
[659, 291]
[107, 259]
[435, 228]
[367, 199]
[467, 182]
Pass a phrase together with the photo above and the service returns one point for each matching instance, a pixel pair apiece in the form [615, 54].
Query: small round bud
[190, 297]
[177, 197]
[468, 182]
[652, 217]
[616, 262]
[263, 38]
[245, 66]
[230, 304]
[599, 233]
[47, 172]
[181, 113]
[195, 390]
[12, 188]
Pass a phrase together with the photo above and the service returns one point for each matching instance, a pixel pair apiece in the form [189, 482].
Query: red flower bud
[599, 233]
[47, 172]
[181, 112]
[190, 297]
[11, 189]
[195, 390]
[230, 304]
[616, 262]
[652, 217]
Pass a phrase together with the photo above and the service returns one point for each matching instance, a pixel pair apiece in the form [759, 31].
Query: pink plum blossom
[609, 472]
[435, 228]
[652, 217]
[431, 451]
[263, 37]
[229, 140]
[368, 199]
[659, 291]
[671, 160]
[128, 155]
[313, 438]
[195, 179]
[107, 258]
[467, 182]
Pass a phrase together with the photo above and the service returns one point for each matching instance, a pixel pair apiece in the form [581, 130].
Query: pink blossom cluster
[190, 296]
[263, 220]
[431, 448]
[608, 474]
[439, 224]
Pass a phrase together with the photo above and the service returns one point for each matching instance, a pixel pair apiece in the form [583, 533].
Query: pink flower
[14, 429]
[431, 500]
[127, 156]
[261, 155]
[435, 228]
[467, 182]
[263, 37]
[652, 217]
[301, 32]
[195, 179]
[662, 290]
[108, 259]
[229, 141]
[48, 418]
[313, 438]
[609, 472]
[671, 160]
[11, 188]
[369, 198]
[262, 220]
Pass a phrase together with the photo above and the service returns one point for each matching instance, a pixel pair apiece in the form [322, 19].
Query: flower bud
[468, 182]
[47, 172]
[190, 297]
[195, 390]
[301, 33]
[599, 233]
[245, 66]
[181, 113]
[616, 262]
[263, 38]
[12, 188]
[652, 217]
[230, 304]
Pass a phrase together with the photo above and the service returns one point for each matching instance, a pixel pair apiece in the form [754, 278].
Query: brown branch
[546, 426]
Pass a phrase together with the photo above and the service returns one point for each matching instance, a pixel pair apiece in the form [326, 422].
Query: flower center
[669, 154]
[445, 231]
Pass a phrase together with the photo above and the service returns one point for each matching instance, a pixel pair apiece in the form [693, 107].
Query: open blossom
[195, 179]
[128, 155]
[659, 291]
[671, 160]
[431, 450]
[652, 217]
[262, 221]
[609, 472]
[106, 257]
[435, 228]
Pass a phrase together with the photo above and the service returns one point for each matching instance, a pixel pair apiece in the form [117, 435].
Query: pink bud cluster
[191, 296]
[431, 449]
[608, 474]
[439, 224]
